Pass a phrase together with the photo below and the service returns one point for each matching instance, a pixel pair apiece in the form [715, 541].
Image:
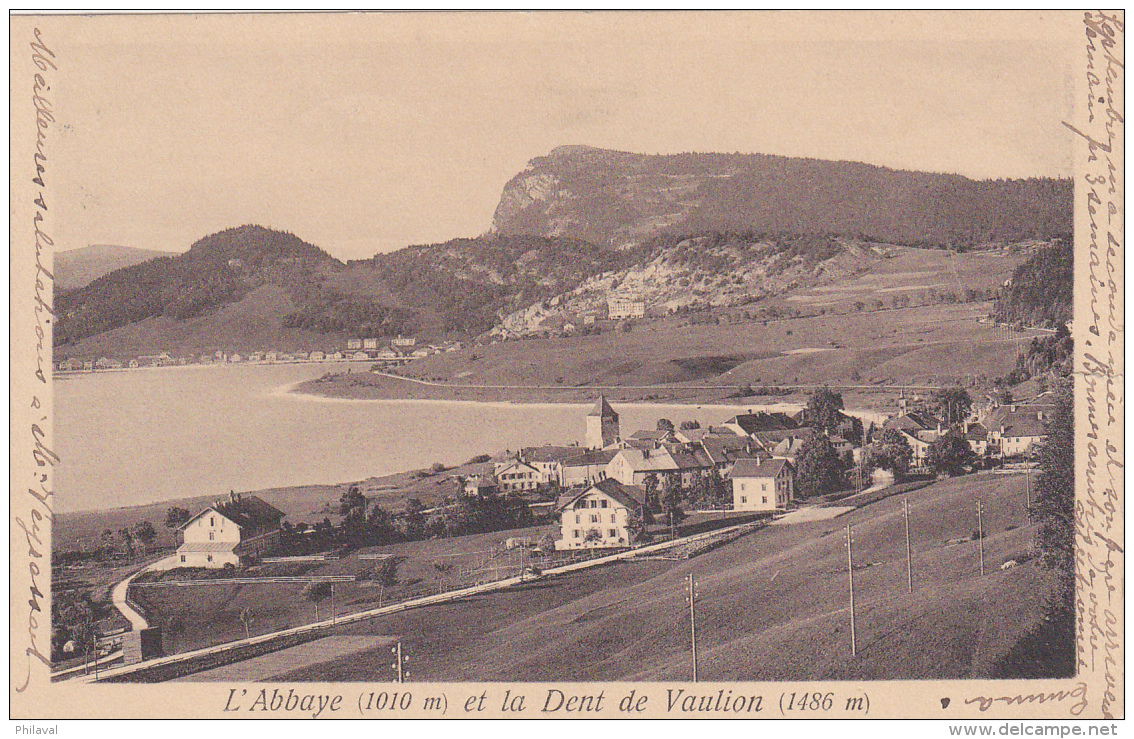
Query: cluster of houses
[399, 351]
[992, 430]
[602, 485]
[606, 480]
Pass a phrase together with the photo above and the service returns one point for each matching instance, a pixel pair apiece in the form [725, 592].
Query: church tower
[602, 425]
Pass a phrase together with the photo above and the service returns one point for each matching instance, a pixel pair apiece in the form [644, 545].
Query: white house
[632, 466]
[619, 308]
[599, 516]
[1018, 430]
[518, 475]
[229, 533]
[587, 468]
[371, 343]
[762, 485]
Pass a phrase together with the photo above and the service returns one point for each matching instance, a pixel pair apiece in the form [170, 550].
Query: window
[577, 518]
[212, 521]
[210, 558]
[764, 499]
[182, 557]
[612, 518]
[594, 504]
[743, 487]
[763, 488]
[576, 533]
[594, 518]
[604, 504]
[613, 533]
[743, 499]
[211, 536]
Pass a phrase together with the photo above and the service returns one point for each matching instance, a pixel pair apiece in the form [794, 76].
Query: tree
[689, 425]
[892, 451]
[664, 424]
[818, 470]
[952, 404]
[415, 519]
[671, 500]
[175, 516]
[824, 409]
[636, 526]
[387, 575]
[144, 531]
[127, 541]
[381, 525]
[949, 453]
[1054, 505]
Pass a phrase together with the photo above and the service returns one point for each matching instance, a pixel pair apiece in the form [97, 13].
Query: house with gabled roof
[632, 466]
[229, 533]
[515, 475]
[549, 460]
[587, 468]
[762, 485]
[599, 516]
[1018, 430]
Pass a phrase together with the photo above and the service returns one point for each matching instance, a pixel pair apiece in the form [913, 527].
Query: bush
[437, 468]
[314, 591]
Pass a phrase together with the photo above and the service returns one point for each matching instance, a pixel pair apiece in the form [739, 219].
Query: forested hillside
[218, 270]
[1041, 289]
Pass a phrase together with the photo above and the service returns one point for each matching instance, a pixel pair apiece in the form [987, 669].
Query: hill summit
[614, 198]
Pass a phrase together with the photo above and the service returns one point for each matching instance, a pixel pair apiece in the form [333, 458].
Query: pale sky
[366, 133]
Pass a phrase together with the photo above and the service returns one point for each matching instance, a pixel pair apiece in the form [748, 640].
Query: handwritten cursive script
[36, 525]
[1099, 555]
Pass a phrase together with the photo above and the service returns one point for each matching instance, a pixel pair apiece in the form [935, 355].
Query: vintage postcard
[761, 365]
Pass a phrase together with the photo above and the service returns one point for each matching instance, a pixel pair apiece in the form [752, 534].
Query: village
[668, 486]
[397, 351]
[384, 351]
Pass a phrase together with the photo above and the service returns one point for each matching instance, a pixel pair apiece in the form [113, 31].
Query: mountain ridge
[619, 198]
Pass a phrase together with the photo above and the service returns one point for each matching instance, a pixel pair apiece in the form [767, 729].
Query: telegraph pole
[332, 603]
[909, 554]
[1028, 481]
[693, 623]
[399, 662]
[980, 533]
[850, 577]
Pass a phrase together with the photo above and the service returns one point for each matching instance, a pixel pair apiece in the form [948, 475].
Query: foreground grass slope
[772, 606]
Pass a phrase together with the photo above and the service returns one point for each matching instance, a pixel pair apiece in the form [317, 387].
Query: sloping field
[773, 605]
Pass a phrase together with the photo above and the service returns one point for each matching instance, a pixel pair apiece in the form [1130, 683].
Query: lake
[144, 436]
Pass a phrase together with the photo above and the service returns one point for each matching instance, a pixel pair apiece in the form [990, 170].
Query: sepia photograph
[369, 351]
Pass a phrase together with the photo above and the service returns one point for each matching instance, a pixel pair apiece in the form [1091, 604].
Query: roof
[976, 432]
[757, 422]
[1024, 421]
[757, 468]
[770, 439]
[649, 460]
[631, 496]
[913, 421]
[658, 435]
[724, 448]
[603, 409]
[207, 546]
[550, 453]
[598, 457]
[689, 461]
[244, 511]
